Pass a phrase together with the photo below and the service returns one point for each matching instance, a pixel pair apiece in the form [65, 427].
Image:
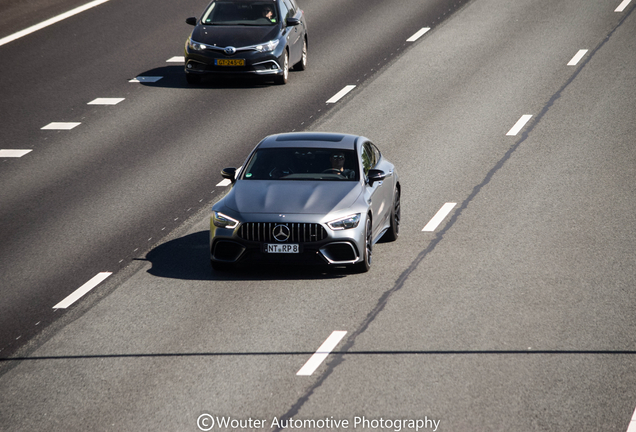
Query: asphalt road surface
[514, 312]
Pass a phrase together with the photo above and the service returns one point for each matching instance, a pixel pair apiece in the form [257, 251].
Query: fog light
[189, 66]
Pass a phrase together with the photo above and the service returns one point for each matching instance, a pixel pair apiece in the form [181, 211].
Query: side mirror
[291, 22]
[375, 175]
[192, 21]
[229, 173]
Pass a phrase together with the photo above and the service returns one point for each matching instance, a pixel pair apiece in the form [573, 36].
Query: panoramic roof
[311, 139]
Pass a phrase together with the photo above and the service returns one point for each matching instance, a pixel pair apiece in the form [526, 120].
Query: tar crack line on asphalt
[338, 357]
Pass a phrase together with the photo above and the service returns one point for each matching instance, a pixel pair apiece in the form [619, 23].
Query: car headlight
[197, 46]
[223, 221]
[267, 47]
[348, 222]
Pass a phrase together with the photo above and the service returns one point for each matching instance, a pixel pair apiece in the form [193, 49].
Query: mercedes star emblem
[281, 233]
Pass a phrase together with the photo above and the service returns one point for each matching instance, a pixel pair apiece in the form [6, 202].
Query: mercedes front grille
[299, 232]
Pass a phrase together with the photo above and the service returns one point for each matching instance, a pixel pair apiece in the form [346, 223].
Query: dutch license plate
[282, 248]
[229, 62]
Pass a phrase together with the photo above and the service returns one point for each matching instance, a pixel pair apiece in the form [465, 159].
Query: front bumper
[256, 63]
[342, 247]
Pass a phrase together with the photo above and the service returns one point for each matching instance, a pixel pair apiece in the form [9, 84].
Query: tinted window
[284, 11]
[302, 164]
[368, 157]
[289, 5]
[376, 153]
[241, 13]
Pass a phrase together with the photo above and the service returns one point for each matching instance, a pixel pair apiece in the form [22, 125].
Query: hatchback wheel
[282, 79]
[302, 64]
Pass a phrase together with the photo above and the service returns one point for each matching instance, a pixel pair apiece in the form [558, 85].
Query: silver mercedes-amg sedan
[303, 198]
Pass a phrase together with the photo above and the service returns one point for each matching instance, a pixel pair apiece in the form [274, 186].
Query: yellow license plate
[229, 62]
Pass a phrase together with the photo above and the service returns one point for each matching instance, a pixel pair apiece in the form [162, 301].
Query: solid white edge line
[322, 353]
[13, 153]
[439, 217]
[335, 98]
[81, 291]
[577, 58]
[50, 21]
[621, 7]
[519, 125]
[418, 35]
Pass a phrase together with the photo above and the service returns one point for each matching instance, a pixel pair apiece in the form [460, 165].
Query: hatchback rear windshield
[256, 13]
[302, 164]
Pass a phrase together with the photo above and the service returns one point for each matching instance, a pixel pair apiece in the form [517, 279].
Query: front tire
[282, 79]
[365, 265]
[394, 229]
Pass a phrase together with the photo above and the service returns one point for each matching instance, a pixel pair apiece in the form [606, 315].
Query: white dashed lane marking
[322, 353]
[15, 153]
[82, 291]
[51, 21]
[632, 424]
[418, 35]
[143, 79]
[61, 126]
[342, 93]
[105, 101]
[577, 58]
[621, 7]
[176, 59]
[519, 125]
[439, 217]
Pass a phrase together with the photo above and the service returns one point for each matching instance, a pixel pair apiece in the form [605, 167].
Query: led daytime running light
[224, 221]
[347, 222]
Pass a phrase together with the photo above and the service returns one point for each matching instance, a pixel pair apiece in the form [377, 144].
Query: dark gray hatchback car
[310, 198]
[258, 37]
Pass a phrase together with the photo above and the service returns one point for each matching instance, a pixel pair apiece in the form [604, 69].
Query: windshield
[302, 164]
[256, 13]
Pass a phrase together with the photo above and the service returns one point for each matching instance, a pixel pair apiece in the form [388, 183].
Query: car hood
[236, 36]
[292, 197]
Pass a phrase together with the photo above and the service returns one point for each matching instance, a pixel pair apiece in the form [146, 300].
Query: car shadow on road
[188, 258]
[174, 77]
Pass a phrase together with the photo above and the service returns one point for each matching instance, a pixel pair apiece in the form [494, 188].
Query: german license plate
[282, 248]
[229, 62]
